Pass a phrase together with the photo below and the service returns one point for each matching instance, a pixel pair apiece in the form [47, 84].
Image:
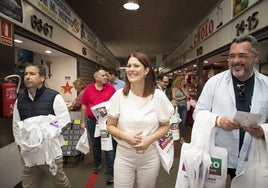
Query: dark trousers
[231, 172]
[182, 110]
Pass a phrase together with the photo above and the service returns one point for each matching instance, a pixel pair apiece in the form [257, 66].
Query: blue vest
[41, 105]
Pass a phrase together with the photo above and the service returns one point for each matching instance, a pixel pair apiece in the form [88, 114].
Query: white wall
[63, 70]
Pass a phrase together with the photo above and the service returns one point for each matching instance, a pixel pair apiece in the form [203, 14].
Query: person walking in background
[114, 79]
[79, 85]
[96, 93]
[37, 100]
[162, 83]
[241, 88]
[180, 94]
[138, 115]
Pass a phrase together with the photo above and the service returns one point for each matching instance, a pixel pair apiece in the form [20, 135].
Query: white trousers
[130, 165]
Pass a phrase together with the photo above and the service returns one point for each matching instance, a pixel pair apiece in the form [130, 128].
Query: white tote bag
[165, 147]
[174, 124]
[82, 144]
[100, 113]
[256, 170]
[214, 177]
[202, 165]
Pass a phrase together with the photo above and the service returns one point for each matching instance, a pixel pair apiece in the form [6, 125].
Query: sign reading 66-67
[40, 26]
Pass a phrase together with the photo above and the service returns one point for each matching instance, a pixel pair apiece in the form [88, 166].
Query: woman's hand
[145, 142]
[132, 139]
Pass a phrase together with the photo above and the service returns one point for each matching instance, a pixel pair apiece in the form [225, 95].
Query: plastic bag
[211, 168]
[256, 170]
[82, 144]
[165, 147]
[174, 124]
[201, 163]
[100, 114]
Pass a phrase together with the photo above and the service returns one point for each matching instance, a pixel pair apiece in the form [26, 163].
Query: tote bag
[214, 177]
[165, 147]
[256, 170]
[100, 113]
[83, 144]
[174, 124]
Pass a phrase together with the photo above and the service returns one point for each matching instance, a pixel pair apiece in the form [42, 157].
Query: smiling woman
[140, 77]
[137, 128]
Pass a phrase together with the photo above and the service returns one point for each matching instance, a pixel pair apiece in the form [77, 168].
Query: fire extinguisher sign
[6, 33]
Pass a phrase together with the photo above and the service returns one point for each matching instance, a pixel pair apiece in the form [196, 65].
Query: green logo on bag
[104, 134]
[215, 167]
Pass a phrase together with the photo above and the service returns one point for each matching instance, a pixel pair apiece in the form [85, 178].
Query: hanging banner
[88, 36]
[60, 12]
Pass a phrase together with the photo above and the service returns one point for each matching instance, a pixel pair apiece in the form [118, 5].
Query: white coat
[218, 97]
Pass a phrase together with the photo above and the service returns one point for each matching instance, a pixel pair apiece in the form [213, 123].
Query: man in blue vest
[38, 100]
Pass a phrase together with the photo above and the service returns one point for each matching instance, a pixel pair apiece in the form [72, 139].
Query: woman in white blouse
[138, 115]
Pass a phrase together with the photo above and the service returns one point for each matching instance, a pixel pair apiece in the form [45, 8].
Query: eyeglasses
[166, 82]
[239, 55]
[241, 91]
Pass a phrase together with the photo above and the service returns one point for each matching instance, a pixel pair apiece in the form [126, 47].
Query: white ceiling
[36, 47]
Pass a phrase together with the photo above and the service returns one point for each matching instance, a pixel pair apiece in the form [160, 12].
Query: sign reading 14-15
[249, 24]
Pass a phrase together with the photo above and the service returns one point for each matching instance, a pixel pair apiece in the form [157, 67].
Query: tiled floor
[80, 174]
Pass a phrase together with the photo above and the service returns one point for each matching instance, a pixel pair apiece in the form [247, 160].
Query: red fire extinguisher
[9, 95]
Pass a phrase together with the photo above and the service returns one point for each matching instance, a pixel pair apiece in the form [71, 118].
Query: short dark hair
[161, 76]
[247, 38]
[42, 69]
[113, 71]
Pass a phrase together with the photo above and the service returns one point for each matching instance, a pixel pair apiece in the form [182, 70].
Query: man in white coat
[241, 88]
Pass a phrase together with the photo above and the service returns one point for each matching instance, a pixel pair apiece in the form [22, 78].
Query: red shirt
[92, 96]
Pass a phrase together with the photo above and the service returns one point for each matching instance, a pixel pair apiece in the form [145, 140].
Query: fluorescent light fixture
[18, 41]
[131, 5]
[48, 51]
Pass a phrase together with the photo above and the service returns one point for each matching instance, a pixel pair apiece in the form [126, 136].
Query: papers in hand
[246, 118]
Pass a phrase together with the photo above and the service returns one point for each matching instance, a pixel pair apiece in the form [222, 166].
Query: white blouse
[137, 114]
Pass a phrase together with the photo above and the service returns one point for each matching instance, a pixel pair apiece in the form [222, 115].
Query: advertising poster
[12, 9]
[241, 5]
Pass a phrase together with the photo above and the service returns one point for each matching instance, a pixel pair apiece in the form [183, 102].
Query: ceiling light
[131, 5]
[18, 41]
[48, 51]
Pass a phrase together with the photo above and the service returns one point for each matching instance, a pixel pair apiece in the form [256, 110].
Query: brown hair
[79, 85]
[149, 79]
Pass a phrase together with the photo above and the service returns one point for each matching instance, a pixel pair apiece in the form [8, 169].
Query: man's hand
[228, 123]
[254, 130]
